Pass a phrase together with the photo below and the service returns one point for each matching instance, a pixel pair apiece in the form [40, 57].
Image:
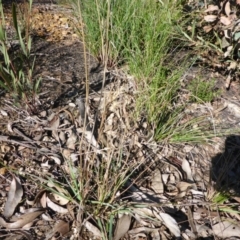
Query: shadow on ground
[225, 170]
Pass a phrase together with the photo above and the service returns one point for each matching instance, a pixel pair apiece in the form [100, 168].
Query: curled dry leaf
[210, 18]
[61, 200]
[123, 224]
[14, 197]
[22, 220]
[56, 207]
[187, 169]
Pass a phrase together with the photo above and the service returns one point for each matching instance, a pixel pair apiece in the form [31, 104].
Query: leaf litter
[168, 183]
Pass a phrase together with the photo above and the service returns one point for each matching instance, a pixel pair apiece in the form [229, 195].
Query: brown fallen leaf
[228, 81]
[210, 18]
[157, 182]
[227, 8]
[187, 169]
[14, 197]
[225, 20]
[94, 230]
[212, 8]
[61, 227]
[22, 220]
[56, 207]
[170, 223]
[122, 226]
[207, 29]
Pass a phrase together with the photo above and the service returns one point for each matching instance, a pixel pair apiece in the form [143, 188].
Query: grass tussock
[143, 35]
[16, 68]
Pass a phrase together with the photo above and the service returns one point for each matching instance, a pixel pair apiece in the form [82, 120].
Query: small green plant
[16, 69]
[95, 189]
[203, 91]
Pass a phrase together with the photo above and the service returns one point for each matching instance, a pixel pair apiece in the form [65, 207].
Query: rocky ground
[65, 129]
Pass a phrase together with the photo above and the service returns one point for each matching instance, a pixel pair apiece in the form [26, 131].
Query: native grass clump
[16, 68]
[203, 91]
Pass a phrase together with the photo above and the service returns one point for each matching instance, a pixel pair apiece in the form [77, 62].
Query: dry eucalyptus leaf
[183, 187]
[169, 222]
[61, 200]
[137, 195]
[225, 20]
[210, 18]
[61, 227]
[91, 139]
[226, 229]
[4, 113]
[212, 8]
[157, 183]
[187, 169]
[143, 211]
[229, 50]
[72, 139]
[91, 228]
[233, 64]
[123, 224]
[43, 200]
[22, 220]
[56, 207]
[228, 81]
[155, 235]
[14, 197]
[227, 8]
[57, 160]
